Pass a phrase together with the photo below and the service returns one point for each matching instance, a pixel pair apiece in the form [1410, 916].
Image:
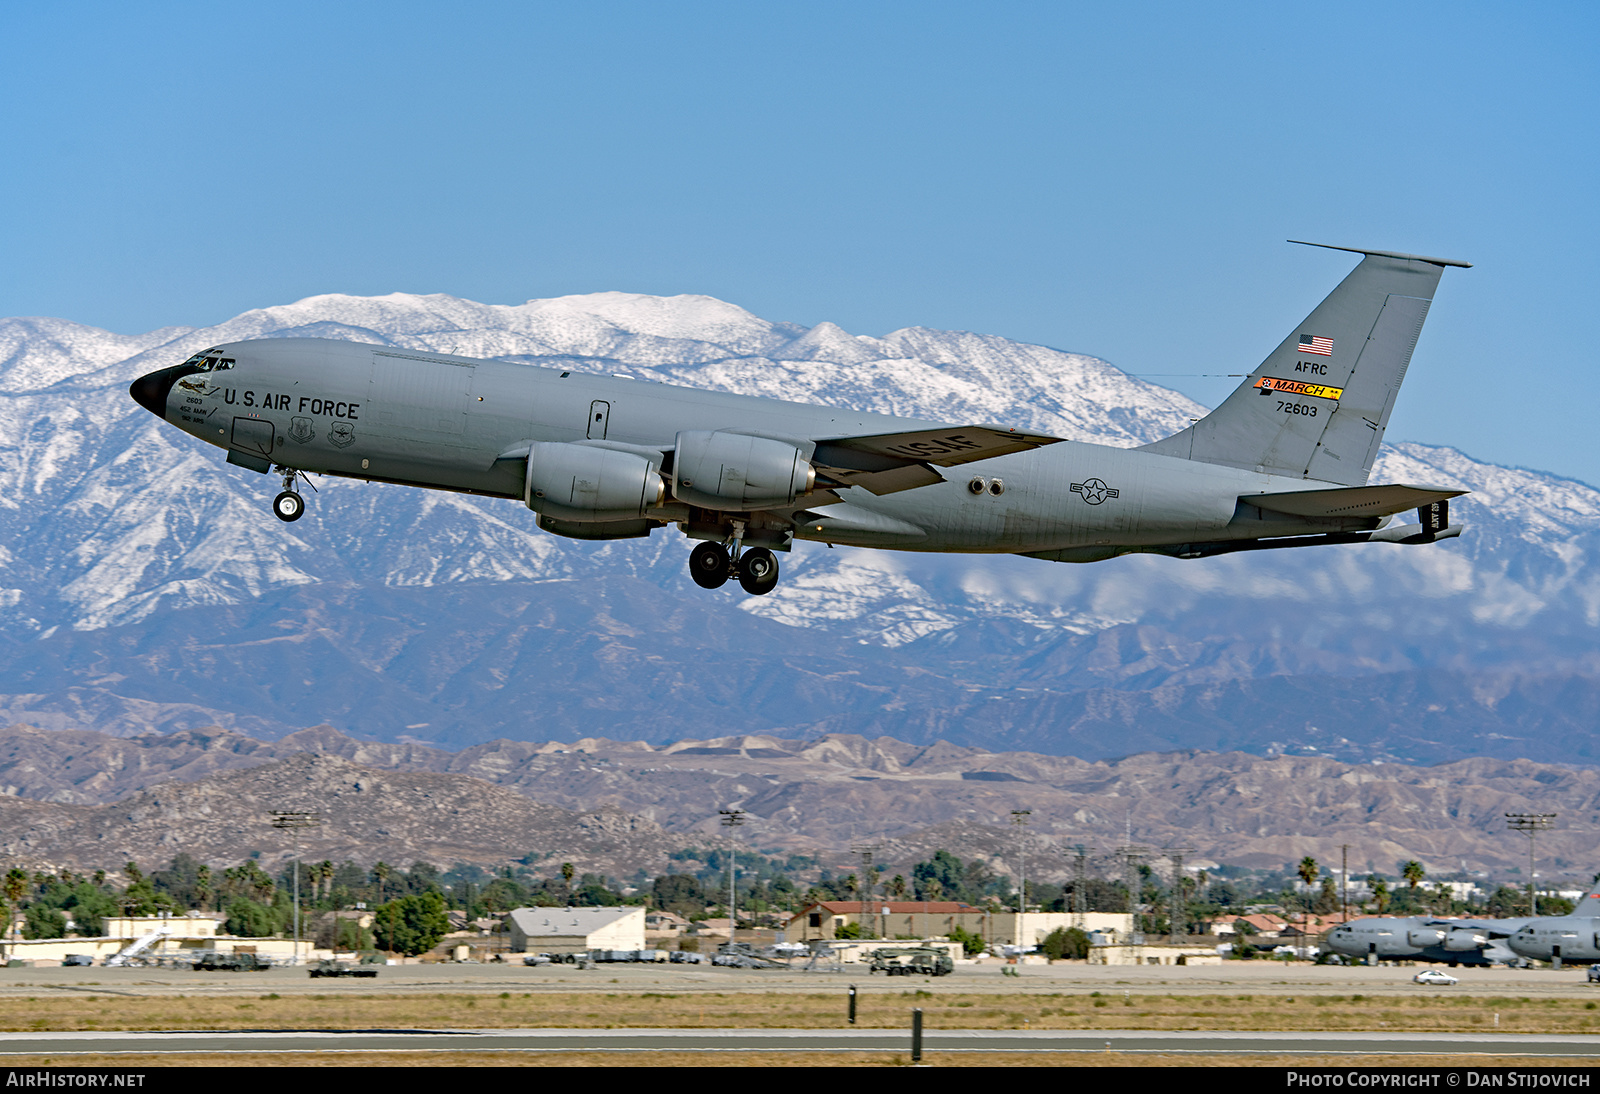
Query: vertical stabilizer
[1589, 905]
[1318, 405]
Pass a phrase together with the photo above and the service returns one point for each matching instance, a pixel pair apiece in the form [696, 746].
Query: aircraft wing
[1351, 501]
[886, 463]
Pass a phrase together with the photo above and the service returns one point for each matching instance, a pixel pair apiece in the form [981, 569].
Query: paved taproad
[801, 1040]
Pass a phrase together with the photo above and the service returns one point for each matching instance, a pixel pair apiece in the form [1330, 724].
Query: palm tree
[1308, 871]
[1380, 892]
[14, 887]
[1413, 873]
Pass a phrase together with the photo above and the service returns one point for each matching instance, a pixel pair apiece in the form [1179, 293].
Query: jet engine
[736, 471]
[1465, 939]
[585, 482]
[1425, 936]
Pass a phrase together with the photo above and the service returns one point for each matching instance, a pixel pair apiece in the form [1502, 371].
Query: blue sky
[1108, 179]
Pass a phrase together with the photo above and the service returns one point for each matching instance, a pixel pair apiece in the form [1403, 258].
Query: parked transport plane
[1283, 462]
[1470, 941]
[1426, 938]
[1573, 939]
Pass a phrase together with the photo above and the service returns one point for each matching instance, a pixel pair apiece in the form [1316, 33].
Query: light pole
[1019, 819]
[1531, 823]
[865, 886]
[731, 819]
[295, 821]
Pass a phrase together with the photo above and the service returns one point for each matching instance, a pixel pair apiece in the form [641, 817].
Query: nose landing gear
[289, 506]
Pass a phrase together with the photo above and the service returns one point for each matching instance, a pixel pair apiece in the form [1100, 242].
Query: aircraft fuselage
[1283, 463]
[424, 419]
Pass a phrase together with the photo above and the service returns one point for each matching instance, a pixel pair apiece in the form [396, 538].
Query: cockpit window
[208, 361]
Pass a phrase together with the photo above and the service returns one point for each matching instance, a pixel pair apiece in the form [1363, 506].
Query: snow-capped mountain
[115, 529]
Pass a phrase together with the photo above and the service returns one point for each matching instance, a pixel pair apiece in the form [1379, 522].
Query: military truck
[211, 961]
[340, 968]
[911, 961]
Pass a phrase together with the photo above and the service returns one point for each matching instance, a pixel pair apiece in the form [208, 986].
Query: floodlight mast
[295, 821]
[1531, 823]
[732, 819]
[1019, 817]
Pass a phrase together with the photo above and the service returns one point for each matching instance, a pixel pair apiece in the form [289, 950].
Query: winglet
[1386, 254]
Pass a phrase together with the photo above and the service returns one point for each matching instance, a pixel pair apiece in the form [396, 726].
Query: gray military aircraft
[1426, 938]
[1283, 462]
[1571, 938]
[1471, 941]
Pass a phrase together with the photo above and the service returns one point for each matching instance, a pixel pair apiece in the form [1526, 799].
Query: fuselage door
[599, 419]
[253, 435]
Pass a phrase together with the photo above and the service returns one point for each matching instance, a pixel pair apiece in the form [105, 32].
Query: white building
[574, 930]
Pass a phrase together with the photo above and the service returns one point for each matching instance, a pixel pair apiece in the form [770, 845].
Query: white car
[1434, 976]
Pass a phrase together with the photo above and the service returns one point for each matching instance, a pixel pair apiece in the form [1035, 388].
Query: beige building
[936, 919]
[163, 937]
[1154, 955]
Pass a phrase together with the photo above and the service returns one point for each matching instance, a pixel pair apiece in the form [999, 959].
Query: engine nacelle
[1424, 937]
[1465, 939]
[587, 482]
[735, 471]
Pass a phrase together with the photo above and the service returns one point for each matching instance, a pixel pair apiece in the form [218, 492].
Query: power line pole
[1344, 882]
[1531, 823]
[295, 821]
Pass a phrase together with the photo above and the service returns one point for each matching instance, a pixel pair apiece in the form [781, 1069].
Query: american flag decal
[1311, 343]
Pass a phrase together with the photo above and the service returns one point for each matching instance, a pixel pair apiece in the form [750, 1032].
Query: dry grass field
[136, 1062]
[85, 1009]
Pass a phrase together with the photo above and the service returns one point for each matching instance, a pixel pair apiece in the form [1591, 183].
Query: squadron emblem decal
[1094, 491]
[1269, 384]
[301, 430]
[197, 385]
[342, 435]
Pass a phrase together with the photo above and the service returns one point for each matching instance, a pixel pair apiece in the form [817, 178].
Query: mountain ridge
[111, 524]
[621, 806]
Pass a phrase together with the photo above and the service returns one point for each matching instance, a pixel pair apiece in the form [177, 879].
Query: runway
[1387, 1043]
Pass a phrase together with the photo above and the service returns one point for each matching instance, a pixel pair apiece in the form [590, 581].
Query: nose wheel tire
[758, 571]
[288, 506]
[710, 566]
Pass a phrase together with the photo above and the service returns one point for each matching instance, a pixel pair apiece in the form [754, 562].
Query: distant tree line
[408, 905]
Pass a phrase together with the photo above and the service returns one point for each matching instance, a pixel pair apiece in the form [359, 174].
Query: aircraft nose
[150, 391]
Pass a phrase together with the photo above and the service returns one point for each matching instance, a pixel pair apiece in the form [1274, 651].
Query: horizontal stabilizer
[886, 463]
[1351, 501]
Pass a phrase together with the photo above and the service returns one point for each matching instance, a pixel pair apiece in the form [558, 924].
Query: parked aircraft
[1426, 938]
[1571, 938]
[1283, 462]
[1468, 941]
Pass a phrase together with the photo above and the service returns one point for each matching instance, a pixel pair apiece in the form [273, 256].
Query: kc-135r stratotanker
[1283, 462]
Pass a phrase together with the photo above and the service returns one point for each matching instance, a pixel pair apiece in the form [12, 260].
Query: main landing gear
[711, 565]
[289, 506]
